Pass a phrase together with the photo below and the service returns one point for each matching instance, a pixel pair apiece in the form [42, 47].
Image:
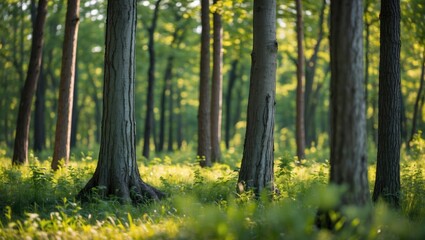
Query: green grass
[202, 204]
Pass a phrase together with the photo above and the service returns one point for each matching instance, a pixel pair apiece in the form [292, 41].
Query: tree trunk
[165, 91]
[216, 88]
[230, 87]
[149, 121]
[204, 113]
[348, 158]
[418, 97]
[256, 171]
[310, 73]
[75, 110]
[387, 183]
[300, 131]
[39, 114]
[179, 120]
[20, 151]
[66, 88]
[117, 172]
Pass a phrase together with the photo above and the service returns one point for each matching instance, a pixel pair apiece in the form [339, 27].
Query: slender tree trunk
[117, 172]
[179, 120]
[387, 183]
[310, 73]
[149, 121]
[256, 171]
[216, 88]
[75, 110]
[39, 114]
[300, 131]
[230, 87]
[165, 90]
[66, 88]
[348, 159]
[204, 113]
[170, 119]
[418, 97]
[97, 104]
[20, 152]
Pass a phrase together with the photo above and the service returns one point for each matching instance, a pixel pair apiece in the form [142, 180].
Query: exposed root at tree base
[135, 192]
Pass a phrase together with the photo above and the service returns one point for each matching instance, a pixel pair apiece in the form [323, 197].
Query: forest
[212, 119]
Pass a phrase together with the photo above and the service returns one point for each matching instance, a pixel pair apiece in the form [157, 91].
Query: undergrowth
[202, 203]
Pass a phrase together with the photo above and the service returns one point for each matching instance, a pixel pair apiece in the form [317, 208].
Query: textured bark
[387, 183]
[20, 151]
[66, 88]
[204, 125]
[229, 93]
[299, 125]
[117, 172]
[256, 171]
[418, 97]
[348, 158]
[149, 121]
[216, 88]
[39, 114]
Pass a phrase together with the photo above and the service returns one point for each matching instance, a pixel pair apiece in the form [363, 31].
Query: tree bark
[117, 172]
[300, 131]
[39, 114]
[20, 151]
[387, 183]
[66, 88]
[256, 171]
[418, 97]
[348, 158]
[149, 121]
[216, 88]
[230, 87]
[310, 73]
[204, 111]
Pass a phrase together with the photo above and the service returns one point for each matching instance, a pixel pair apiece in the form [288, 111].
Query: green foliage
[202, 204]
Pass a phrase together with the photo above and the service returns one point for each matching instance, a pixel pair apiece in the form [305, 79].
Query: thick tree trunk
[418, 97]
[299, 125]
[216, 88]
[66, 88]
[39, 114]
[20, 151]
[117, 172]
[204, 113]
[256, 171]
[149, 121]
[229, 93]
[387, 184]
[348, 144]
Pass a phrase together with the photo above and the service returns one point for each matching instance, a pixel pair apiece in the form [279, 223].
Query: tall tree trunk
[97, 104]
[204, 111]
[230, 87]
[75, 110]
[149, 121]
[39, 114]
[66, 88]
[418, 97]
[216, 88]
[165, 90]
[299, 125]
[20, 151]
[256, 171]
[170, 118]
[117, 172]
[387, 183]
[348, 159]
[179, 120]
[310, 73]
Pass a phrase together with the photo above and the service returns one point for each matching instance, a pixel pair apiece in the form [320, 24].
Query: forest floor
[37, 203]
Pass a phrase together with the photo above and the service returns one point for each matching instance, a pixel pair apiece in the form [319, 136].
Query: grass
[40, 204]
